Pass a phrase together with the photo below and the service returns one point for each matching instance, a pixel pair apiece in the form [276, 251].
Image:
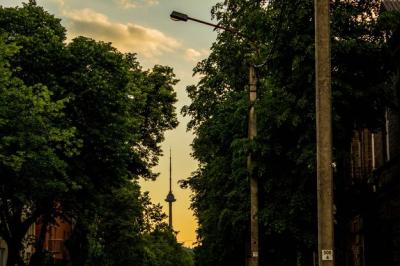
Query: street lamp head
[178, 16]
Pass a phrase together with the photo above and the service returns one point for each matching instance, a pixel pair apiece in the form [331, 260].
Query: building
[373, 215]
[3, 252]
[373, 234]
[55, 238]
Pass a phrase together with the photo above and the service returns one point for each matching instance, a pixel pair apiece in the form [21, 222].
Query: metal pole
[252, 133]
[324, 134]
[231, 30]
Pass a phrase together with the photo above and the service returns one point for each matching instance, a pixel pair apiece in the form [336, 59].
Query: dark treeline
[364, 82]
[80, 123]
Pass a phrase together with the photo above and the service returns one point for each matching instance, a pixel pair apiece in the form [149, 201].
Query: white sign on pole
[327, 254]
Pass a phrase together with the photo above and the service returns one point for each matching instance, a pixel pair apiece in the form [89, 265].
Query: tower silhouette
[170, 197]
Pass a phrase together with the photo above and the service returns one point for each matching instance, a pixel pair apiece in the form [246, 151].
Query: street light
[253, 259]
[177, 16]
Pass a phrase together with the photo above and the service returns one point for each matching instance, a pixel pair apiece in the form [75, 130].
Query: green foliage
[121, 113]
[115, 232]
[131, 231]
[34, 146]
[162, 249]
[282, 33]
[80, 123]
[40, 36]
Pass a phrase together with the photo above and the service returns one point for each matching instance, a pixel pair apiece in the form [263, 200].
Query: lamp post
[253, 258]
[177, 16]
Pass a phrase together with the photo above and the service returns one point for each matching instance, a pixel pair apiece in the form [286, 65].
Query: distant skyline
[144, 27]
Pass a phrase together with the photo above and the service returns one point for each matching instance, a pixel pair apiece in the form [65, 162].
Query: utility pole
[324, 133]
[253, 258]
[252, 133]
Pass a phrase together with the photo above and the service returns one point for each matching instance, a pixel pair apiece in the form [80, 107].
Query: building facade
[372, 222]
[55, 238]
[373, 225]
[3, 252]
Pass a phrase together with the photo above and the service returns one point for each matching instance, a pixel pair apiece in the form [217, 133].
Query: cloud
[195, 55]
[60, 2]
[128, 37]
[136, 3]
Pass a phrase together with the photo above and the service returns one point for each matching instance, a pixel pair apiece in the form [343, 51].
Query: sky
[144, 27]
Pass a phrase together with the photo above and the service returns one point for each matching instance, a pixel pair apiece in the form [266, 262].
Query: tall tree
[34, 146]
[93, 123]
[120, 113]
[281, 34]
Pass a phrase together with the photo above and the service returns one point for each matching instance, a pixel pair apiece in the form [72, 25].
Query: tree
[95, 121]
[161, 248]
[38, 63]
[40, 37]
[284, 148]
[115, 232]
[34, 145]
[120, 113]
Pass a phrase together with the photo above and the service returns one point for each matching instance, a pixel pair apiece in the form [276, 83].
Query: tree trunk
[39, 257]
[12, 257]
[77, 244]
[14, 254]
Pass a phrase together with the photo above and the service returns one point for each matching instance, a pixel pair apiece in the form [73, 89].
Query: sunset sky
[144, 27]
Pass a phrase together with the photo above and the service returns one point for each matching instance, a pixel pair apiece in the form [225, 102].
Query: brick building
[55, 238]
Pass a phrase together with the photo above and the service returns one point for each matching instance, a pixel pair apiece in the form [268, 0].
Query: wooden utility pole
[253, 258]
[324, 134]
[252, 133]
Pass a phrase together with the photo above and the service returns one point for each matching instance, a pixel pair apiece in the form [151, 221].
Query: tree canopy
[280, 37]
[80, 123]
